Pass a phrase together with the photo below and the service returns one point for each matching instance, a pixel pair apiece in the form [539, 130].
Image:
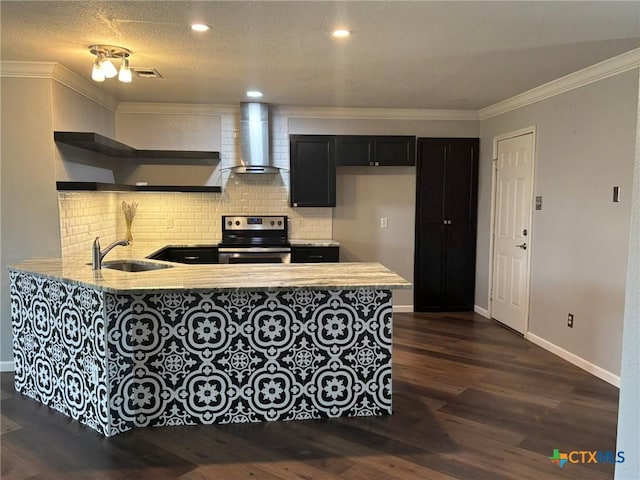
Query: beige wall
[584, 146]
[363, 195]
[628, 411]
[29, 207]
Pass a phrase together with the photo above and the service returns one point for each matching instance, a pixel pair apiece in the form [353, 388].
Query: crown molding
[26, 69]
[376, 113]
[177, 108]
[605, 69]
[62, 75]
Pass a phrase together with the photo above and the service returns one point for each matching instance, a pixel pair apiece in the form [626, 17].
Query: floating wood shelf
[97, 143]
[117, 187]
[103, 145]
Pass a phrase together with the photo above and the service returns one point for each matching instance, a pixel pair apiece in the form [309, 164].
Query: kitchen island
[203, 344]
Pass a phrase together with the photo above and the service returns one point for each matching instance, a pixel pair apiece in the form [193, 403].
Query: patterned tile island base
[117, 361]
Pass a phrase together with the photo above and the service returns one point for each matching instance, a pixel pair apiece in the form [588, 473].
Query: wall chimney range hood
[254, 139]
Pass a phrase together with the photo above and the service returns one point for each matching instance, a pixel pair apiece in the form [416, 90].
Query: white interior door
[512, 231]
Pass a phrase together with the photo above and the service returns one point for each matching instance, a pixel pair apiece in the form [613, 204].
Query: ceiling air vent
[143, 72]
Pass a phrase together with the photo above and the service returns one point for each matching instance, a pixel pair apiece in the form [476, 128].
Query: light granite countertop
[298, 242]
[181, 277]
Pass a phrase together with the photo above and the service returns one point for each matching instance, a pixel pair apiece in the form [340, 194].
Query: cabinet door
[313, 171]
[394, 150]
[461, 180]
[430, 251]
[354, 150]
[314, 254]
[429, 285]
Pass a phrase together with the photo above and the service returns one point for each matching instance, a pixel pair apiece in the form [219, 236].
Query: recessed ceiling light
[254, 93]
[200, 27]
[341, 33]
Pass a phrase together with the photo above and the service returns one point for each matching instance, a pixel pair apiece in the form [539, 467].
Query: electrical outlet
[570, 320]
[168, 222]
[301, 222]
[384, 223]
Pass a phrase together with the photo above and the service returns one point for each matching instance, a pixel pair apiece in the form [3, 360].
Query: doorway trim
[494, 159]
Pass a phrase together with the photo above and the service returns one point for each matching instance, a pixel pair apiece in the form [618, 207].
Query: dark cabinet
[380, 150]
[446, 220]
[354, 150]
[394, 151]
[314, 254]
[193, 255]
[313, 171]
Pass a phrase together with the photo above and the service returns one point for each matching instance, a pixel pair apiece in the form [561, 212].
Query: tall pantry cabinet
[446, 220]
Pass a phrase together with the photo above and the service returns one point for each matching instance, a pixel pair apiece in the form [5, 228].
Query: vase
[129, 237]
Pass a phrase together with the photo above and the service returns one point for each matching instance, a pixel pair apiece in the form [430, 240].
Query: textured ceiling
[461, 55]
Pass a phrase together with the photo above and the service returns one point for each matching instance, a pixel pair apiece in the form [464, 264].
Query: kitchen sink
[133, 265]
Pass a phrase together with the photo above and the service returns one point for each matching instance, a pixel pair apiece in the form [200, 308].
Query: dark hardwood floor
[472, 401]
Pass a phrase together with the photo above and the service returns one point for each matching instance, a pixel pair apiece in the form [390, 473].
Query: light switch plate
[384, 222]
[538, 203]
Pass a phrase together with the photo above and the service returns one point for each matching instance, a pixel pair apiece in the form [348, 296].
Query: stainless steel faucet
[97, 255]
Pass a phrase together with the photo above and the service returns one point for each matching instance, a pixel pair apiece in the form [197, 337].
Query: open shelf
[95, 142]
[117, 187]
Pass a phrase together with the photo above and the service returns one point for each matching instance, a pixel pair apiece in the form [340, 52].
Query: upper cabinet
[378, 150]
[313, 171]
[314, 159]
[354, 150]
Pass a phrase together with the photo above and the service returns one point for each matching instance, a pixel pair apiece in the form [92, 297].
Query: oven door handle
[254, 250]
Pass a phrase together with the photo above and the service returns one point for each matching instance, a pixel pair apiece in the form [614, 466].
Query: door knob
[523, 246]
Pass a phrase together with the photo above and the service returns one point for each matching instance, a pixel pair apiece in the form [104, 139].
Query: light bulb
[200, 27]
[125, 71]
[108, 68]
[341, 33]
[97, 74]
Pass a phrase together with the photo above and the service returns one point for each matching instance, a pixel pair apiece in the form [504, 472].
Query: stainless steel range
[254, 239]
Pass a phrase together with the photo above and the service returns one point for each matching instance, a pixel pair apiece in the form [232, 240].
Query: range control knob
[272, 223]
[237, 222]
[229, 223]
[279, 222]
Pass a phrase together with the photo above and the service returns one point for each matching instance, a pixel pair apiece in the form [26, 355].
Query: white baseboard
[7, 366]
[576, 360]
[403, 308]
[481, 311]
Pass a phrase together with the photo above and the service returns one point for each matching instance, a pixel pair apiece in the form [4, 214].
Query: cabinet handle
[316, 257]
[447, 222]
[191, 257]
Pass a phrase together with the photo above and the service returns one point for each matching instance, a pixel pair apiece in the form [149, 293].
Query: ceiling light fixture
[104, 68]
[254, 93]
[200, 27]
[341, 33]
